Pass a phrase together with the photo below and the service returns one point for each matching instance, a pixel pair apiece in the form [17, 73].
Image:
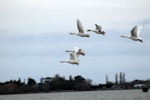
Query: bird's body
[135, 34]
[71, 62]
[81, 32]
[98, 30]
[73, 59]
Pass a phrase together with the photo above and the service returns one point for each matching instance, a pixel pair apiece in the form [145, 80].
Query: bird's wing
[72, 57]
[134, 32]
[139, 30]
[98, 27]
[76, 49]
[80, 27]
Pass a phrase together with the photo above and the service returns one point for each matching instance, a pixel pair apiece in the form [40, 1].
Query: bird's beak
[83, 53]
[141, 41]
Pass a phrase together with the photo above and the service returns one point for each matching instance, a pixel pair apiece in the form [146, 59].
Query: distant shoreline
[63, 91]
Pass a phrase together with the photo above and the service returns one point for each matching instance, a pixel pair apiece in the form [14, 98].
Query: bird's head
[81, 52]
[140, 40]
[87, 35]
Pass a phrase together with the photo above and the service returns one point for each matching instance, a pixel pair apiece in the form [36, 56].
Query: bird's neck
[125, 36]
[69, 51]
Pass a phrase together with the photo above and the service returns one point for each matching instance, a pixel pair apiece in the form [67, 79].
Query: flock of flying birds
[76, 52]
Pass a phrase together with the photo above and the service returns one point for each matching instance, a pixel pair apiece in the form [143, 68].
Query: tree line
[60, 83]
[56, 83]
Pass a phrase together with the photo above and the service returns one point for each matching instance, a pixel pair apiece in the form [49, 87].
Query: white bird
[73, 59]
[135, 34]
[81, 32]
[78, 51]
[98, 30]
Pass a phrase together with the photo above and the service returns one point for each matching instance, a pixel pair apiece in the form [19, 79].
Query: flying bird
[73, 59]
[97, 30]
[78, 51]
[135, 34]
[81, 32]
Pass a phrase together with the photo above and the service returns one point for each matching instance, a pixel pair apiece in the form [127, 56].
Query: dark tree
[79, 79]
[121, 78]
[124, 80]
[31, 82]
[70, 78]
[106, 79]
[58, 83]
[18, 82]
[116, 78]
[81, 83]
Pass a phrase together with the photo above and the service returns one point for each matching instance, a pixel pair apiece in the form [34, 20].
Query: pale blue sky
[34, 35]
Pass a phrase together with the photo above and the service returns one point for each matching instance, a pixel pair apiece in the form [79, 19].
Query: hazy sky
[34, 35]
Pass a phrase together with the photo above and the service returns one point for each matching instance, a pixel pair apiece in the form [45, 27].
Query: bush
[145, 89]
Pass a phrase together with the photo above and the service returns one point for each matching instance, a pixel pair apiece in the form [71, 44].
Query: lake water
[86, 95]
